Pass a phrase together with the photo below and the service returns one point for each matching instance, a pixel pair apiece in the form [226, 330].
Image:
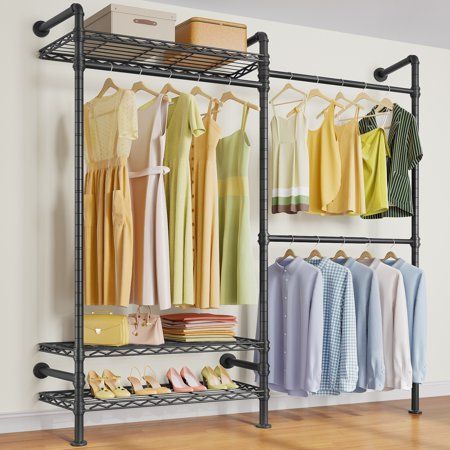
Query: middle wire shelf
[169, 347]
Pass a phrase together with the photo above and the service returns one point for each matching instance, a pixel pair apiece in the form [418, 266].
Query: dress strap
[244, 116]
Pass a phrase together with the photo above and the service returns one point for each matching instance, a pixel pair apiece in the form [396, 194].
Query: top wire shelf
[135, 54]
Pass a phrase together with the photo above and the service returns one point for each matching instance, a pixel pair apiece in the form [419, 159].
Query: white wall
[37, 219]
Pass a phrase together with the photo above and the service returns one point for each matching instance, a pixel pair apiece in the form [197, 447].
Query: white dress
[151, 267]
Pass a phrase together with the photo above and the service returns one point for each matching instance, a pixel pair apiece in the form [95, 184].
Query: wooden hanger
[289, 252]
[341, 253]
[385, 103]
[363, 95]
[109, 83]
[366, 254]
[140, 86]
[318, 93]
[197, 90]
[288, 86]
[339, 96]
[390, 254]
[315, 252]
[230, 96]
[169, 88]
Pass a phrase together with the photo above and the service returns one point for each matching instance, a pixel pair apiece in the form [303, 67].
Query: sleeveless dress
[151, 267]
[110, 127]
[237, 284]
[351, 198]
[205, 206]
[290, 163]
[324, 164]
[183, 123]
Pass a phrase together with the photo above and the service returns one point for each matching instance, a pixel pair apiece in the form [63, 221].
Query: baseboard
[55, 418]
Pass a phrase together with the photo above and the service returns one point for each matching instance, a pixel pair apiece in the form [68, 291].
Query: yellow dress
[324, 164]
[183, 123]
[205, 206]
[375, 150]
[351, 197]
[110, 127]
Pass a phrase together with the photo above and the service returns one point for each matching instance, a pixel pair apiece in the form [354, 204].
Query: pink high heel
[177, 382]
[191, 380]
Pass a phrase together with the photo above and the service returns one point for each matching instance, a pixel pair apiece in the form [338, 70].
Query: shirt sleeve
[401, 348]
[419, 332]
[127, 116]
[375, 353]
[195, 119]
[414, 148]
[315, 338]
[348, 363]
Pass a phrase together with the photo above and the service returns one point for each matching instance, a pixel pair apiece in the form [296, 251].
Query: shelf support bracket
[228, 361]
[42, 370]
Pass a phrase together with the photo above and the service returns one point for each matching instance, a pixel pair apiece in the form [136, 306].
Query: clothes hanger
[109, 83]
[140, 86]
[341, 253]
[363, 95]
[230, 96]
[197, 90]
[315, 252]
[316, 92]
[385, 103]
[288, 86]
[366, 254]
[169, 88]
[339, 96]
[289, 252]
[390, 254]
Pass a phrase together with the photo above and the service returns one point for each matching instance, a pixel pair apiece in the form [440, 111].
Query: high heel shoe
[98, 389]
[177, 382]
[153, 383]
[191, 380]
[211, 379]
[225, 378]
[136, 385]
[112, 382]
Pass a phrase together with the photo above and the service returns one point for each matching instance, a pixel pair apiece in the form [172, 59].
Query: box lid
[123, 9]
[213, 21]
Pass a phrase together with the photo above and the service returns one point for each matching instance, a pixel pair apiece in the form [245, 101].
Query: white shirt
[394, 316]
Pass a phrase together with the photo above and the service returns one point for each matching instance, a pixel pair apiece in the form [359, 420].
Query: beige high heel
[212, 380]
[225, 378]
[153, 383]
[97, 386]
[136, 385]
[113, 383]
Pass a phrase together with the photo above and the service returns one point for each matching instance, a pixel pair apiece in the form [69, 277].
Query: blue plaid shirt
[339, 354]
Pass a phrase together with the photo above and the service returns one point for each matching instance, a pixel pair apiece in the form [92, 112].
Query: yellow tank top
[324, 164]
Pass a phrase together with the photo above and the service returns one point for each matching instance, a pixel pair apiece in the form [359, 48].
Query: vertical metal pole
[263, 76]
[415, 198]
[78, 67]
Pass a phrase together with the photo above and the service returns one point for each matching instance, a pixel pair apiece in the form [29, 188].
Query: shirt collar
[320, 263]
[395, 263]
[346, 262]
[289, 264]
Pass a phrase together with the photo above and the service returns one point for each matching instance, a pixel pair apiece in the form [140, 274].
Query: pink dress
[151, 267]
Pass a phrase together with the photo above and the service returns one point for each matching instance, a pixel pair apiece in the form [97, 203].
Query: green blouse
[406, 152]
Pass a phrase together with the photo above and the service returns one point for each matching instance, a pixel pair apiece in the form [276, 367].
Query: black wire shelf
[123, 53]
[169, 347]
[66, 399]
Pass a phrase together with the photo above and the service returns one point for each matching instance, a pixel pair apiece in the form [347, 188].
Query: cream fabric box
[140, 22]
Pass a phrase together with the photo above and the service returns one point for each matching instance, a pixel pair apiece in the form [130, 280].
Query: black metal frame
[102, 51]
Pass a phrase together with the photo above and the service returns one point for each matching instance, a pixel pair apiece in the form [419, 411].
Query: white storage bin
[120, 19]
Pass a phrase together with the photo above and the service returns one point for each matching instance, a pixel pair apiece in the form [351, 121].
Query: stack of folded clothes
[194, 327]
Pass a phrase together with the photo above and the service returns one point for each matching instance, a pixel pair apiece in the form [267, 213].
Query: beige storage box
[140, 22]
[212, 33]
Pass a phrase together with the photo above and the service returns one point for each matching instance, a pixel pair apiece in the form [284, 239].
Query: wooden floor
[384, 425]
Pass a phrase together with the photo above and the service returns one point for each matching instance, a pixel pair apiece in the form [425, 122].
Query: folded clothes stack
[194, 327]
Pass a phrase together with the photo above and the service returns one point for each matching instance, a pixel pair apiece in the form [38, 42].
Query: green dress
[237, 284]
[183, 123]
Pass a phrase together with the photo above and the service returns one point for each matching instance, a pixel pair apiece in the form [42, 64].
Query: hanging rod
[338, 82]
[336, 239]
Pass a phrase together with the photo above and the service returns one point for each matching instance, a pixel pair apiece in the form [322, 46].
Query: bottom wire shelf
[66, 399]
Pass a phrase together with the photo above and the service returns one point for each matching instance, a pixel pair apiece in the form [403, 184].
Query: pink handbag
[145, 328]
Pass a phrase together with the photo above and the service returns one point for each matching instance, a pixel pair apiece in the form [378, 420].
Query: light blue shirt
[339, 358]
[369, 329]
[416, 304]
[295, 307]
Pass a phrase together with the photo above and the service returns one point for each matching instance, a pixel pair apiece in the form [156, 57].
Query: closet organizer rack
[103, 51]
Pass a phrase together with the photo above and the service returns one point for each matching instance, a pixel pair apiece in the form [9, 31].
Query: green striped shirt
[406, 152]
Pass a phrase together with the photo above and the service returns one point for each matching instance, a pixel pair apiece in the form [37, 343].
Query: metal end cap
[37, 370]
[37, 31]
[78, 444]
[226, 360]
[379, 74]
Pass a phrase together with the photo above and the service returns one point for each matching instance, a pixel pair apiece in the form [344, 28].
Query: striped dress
[290, 163]
[406, 152]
